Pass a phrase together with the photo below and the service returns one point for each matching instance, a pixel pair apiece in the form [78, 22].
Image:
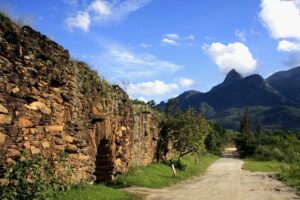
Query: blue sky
[157, 49]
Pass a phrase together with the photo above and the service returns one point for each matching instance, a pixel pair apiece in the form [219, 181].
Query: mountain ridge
[280, 90]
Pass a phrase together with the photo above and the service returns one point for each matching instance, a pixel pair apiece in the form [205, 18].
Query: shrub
[32, 177]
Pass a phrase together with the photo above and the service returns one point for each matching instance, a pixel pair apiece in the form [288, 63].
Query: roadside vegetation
[95, 192]
[270, 151]
[159, 175]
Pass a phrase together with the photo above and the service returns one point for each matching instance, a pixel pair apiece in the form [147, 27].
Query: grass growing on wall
[159, 175]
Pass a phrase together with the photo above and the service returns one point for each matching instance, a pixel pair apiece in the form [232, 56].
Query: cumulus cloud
[154, 88]
[81, 21]
[105, 11]
[234, 55]
[293, 51]
[124, 63]
[282, 18]
[288, 46]
[186, 82]
[241, 35]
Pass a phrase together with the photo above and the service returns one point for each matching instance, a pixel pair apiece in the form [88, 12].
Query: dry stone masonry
[50, 104]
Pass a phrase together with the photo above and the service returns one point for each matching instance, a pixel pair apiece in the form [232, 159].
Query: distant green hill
[274, 101]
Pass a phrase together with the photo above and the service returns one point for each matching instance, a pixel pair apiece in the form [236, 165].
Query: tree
[151, 103]
[259, 128]
[245, 126]
[189, 130]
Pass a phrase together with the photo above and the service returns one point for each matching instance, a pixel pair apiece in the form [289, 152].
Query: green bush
[32, 177]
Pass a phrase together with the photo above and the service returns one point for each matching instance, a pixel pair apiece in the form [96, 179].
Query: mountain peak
[233, 75]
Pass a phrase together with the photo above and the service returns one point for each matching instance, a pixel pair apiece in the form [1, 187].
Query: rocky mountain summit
[274, 101]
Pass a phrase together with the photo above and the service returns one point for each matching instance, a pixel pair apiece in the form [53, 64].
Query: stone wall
[51, 104]
[145, 135]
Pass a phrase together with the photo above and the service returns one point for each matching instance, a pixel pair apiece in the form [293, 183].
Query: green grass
[262, 166]
[155, 175]
[159, 175]
[286, 172]
[95, 192]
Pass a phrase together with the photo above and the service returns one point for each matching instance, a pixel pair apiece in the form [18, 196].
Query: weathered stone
[5, 119]
[26, 145]
[15, 90]
[2, 138]
[118, 162]
[68, 138]
[58, 141]
[23, 122]
[72, 148]
[59, 147]
[3, 109]
[45, 145]
[35, 150]
[13, 152]
[123, 128]
[56, 104]
[54, 128]
[39, 106]
[36, 143]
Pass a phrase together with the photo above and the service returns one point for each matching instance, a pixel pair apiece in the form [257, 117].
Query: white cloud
[105, 11]
[169, 41]
[293, 50]
[154, 88]
[145, 45]
[282, 18]
[234, 55]
[190, 37]
[173, 36]
[100, 7]
[142, 99]
[186, 82]
[288, 46]
[241, 35]
[81, 21]
[124, 63]
[175, 39]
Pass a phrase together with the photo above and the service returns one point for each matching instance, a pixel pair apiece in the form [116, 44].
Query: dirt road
[224, 180]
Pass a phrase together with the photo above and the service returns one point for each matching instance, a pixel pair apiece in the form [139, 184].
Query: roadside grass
[95, 192]
[155, 175]
[262, 166]
[158, 175]
[289, 173]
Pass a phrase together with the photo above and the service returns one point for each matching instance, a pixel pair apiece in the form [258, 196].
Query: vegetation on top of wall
[89, 80]
[18, 18]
